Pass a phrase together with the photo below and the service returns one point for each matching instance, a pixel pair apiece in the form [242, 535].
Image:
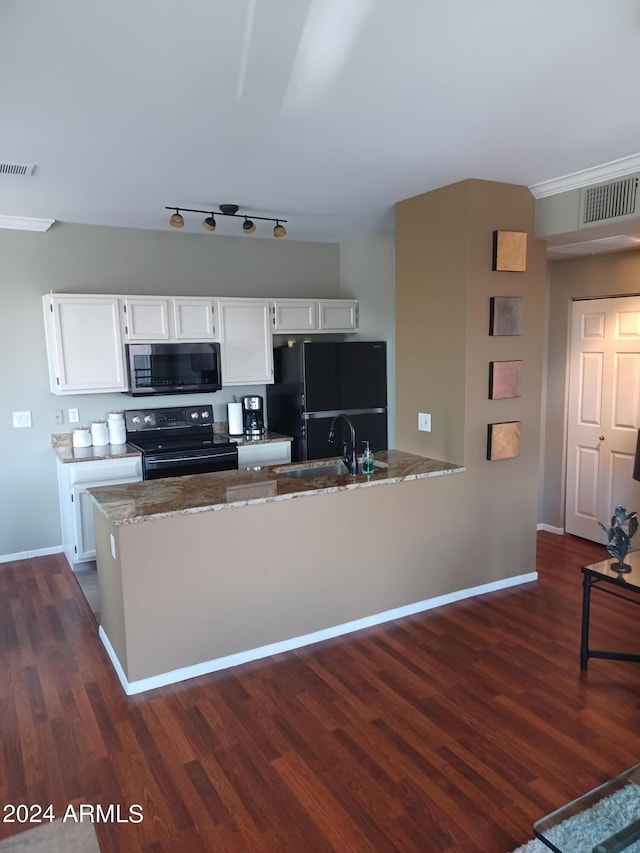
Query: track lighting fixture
[209, 222]
[176, 221]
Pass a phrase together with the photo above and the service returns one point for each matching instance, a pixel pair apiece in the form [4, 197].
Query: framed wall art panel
[505, 379]
[510, 251]
[505, 315]
[503, 440]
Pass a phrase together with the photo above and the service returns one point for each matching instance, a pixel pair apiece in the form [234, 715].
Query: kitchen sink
[332, 470]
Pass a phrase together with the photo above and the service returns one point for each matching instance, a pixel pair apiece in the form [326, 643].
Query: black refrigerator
[313, 382]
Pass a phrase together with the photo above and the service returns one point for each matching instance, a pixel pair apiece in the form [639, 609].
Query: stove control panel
[176, 417]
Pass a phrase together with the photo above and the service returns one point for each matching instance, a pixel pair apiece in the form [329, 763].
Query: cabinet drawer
[104, 471]
[272, 453]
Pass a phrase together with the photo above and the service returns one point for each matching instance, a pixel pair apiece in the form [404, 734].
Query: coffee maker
[253, 417]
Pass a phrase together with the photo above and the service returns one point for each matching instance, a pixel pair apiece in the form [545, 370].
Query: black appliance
[315, 381]
[253, 416]
[173, 368]
[178, 441]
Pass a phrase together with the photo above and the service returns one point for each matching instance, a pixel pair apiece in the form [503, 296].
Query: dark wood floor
[449, 731]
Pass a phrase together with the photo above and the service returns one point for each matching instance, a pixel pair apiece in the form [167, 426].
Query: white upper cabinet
[314, 315]
[295, 315]
[84, 343]
[146, 318]
[194, 319]
[337, 315]
[150, 318]
[246, 347]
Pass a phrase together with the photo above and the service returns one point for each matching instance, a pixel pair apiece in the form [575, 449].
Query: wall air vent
[21, 169]
[609, 201]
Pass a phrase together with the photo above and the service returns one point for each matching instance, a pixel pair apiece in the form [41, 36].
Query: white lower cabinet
[270, 453]
[76, 506]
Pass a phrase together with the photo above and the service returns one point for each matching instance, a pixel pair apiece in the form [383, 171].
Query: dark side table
[601, 577]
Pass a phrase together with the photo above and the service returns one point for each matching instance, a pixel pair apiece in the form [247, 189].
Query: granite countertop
[61, 444]
[263, 439]
[152, 499]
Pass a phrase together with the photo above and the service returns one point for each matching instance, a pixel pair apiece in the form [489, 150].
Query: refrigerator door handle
[307, 416]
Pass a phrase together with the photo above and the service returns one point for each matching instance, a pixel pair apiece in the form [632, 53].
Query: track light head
[209, 223]
[248, 226]
[279, 230]
[177, 220]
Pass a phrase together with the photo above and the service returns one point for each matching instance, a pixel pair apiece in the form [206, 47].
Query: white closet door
[604, 413]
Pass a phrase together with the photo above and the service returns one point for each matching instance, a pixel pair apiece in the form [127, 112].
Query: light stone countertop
[130, 503]
[61, 444]
[267, 438]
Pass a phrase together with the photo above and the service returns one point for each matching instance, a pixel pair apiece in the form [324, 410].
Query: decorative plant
[619, 538]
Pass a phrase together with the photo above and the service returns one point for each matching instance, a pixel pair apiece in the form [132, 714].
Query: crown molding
[585, 177]
[25, 223]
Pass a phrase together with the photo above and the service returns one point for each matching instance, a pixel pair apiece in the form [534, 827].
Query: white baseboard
[26, 555]
[204, 668]
[549, 528]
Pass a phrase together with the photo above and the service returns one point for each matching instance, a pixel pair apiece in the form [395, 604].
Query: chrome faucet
[349, 459]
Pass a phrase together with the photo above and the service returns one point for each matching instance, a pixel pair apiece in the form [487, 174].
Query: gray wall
[616, 274]
[89, 259]
[367, 273]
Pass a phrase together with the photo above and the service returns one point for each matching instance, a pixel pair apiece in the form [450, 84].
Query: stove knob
[136, 419]
[205, 414]
[194, 416]
[148, 419]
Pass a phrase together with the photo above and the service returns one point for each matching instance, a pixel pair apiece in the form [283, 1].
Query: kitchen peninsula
[202, 572]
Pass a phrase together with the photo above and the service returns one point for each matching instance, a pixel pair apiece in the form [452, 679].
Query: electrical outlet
[424, 422]
[74, 416]
[21, 419]
[58, 416]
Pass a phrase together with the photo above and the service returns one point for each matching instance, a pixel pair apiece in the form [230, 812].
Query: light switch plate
[424, 422]
[21, 419]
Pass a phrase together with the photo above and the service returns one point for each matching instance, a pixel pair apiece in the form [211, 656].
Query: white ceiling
[324, 112]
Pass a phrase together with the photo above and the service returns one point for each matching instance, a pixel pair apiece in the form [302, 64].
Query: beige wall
[92, 259]
[444, 282]
[616, 274]
[323, 560]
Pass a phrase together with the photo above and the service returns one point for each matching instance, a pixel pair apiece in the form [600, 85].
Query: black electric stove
[177, 441]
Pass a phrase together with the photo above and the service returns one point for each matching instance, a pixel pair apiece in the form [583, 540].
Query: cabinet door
[245, 341]
[146, 319]
[84, 344]
[194, 319]
[295, 315]
[337, 315]
[85, 533]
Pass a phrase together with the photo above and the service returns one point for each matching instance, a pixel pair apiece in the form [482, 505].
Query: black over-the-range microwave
[173, 368]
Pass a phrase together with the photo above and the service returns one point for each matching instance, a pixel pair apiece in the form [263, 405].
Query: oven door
[177, 463]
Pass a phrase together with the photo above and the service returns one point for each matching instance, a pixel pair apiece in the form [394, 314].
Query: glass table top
[632, 578]
[605, 820]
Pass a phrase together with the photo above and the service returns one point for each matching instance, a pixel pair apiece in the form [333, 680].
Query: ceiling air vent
[609, 201]
[22, 169]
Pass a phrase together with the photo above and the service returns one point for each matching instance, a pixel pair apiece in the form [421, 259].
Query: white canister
[117, 432]
[81, 437]
[99, 433]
